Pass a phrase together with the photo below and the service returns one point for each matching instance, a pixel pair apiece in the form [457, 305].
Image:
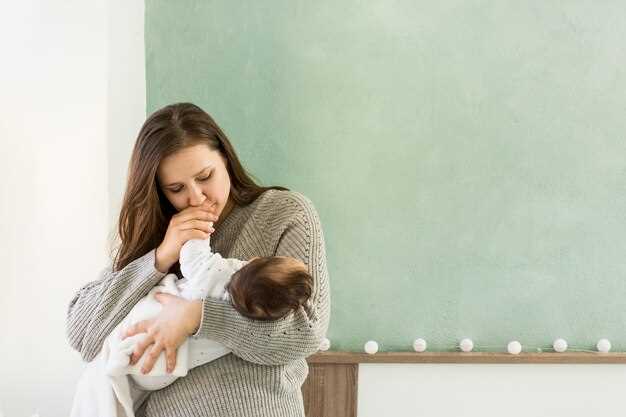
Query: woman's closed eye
[199, 179]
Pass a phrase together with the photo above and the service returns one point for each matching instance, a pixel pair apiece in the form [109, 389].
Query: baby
[262, 289]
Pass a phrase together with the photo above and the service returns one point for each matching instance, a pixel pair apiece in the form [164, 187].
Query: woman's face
[194, 176]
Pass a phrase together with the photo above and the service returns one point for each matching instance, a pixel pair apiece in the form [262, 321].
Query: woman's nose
[197, 197]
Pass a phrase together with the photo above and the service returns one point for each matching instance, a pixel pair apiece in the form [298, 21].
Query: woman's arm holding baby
[100, 305]
[298, 334]
[274, 342]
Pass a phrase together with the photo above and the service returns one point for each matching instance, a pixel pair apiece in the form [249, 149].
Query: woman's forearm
[100, 305]
[194, 316]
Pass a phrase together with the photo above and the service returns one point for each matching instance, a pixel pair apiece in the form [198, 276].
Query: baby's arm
[206, 272]
[196, 258]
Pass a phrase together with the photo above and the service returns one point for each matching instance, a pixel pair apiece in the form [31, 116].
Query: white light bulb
[371, 347]
[514, 347]
[419, 345]
[603, 345]
[325, 345]
[560, 345]
[466, 345]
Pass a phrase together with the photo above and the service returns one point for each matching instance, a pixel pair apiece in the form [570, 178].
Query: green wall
[467, 158]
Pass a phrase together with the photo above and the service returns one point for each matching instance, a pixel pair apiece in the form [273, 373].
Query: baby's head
[269, 288]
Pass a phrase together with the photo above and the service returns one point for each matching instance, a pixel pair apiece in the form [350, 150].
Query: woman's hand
[190, 223]
[178, 319]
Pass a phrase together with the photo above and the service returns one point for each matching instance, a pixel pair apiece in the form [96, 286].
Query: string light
[325, 345]
[371, 347]
[419, 345]
[560, 345]
[467, 345]
[603, 345]
[536, 349]
[514, 347]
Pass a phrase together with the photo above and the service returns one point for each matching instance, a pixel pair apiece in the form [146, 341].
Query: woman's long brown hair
[145, 212]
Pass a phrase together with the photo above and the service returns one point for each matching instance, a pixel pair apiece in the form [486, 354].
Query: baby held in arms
[265, 288]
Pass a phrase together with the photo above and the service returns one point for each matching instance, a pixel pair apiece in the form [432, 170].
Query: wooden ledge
[470, 357]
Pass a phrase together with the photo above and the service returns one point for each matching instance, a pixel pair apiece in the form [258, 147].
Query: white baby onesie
[109, 386]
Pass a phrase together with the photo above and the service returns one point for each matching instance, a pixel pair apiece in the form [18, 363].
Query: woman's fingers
[165, 332]
[195, 213]
[170, 355]
[153, 355]
[141, 348]
[139, 327]
[197, 224]
[151, 358]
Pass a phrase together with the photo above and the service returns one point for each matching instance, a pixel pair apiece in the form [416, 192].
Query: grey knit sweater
[264, 374]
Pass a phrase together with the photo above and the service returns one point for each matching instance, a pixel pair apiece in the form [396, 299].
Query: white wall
[71, 82]
[126, 93]
[491, 390]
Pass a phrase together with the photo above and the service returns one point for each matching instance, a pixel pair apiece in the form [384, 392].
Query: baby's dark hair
[269, 288]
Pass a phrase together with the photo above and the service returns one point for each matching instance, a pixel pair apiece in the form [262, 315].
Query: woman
[184, 174]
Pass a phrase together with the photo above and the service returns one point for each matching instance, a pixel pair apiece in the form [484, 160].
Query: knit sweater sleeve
[296, 335]
[100, 305]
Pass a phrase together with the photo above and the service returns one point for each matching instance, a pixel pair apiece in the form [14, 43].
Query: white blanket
[109, 386]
